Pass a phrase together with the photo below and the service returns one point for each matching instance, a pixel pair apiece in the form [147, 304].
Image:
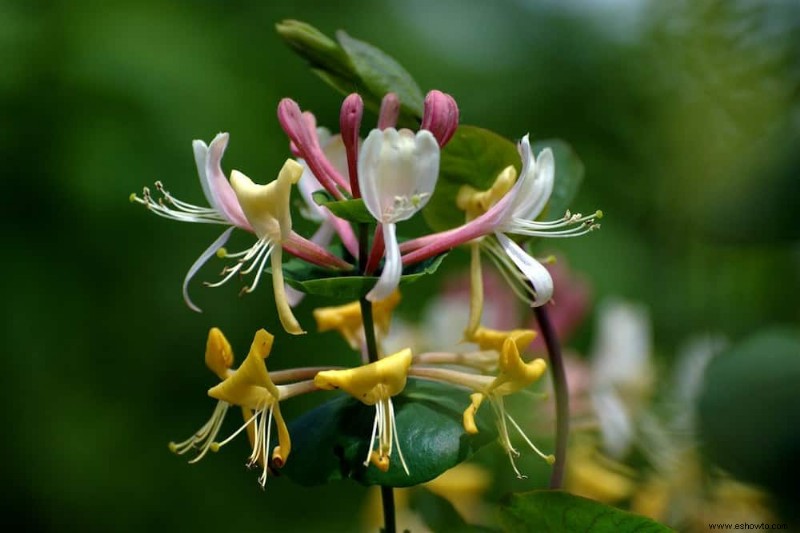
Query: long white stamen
[204, 436]
[548, 458]
[396, 439]
[180, 210]
[262, 266]
[372, 437]
[217, 445]
[262, 479]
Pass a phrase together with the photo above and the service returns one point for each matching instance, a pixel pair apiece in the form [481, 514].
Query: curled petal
[392, 268]
[205, 256]
[537, 178]
[288, 321]
[531, 268]
[215, 185]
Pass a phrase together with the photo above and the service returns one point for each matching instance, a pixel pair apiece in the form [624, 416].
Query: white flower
[224, 208]
[397, 172]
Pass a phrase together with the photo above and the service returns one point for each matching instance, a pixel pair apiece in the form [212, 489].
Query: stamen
[372, 437]
[549, 458]
[396, 439]
[204, 437]
[180, 210]
[215, 446]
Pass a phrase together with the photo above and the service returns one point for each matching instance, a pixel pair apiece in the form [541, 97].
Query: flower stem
[387, 493]
[562, 395]
[387, 496]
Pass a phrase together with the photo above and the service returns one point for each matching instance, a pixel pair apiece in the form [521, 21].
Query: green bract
[313, 280]
[330, 442]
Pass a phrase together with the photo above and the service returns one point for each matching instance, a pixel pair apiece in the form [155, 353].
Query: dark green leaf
[474, 156]
[352, 210]
[381, 74]
[331, 441]
[748, 408]
[314, 280]
[555, 511]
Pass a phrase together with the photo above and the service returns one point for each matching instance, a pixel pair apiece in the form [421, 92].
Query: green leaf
[352, 210]
[352, 65]
[747, 408]
[556, 511]
[322, 52]
[475, 156]
[314, 280]
[331, 441]
[381, 74]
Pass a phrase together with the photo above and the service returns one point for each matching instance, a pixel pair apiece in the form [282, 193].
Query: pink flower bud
[350, 125]
[440, 116]
[390, 110]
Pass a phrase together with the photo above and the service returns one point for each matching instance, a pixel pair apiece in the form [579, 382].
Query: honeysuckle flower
[223, 207]
[397, 172]
[267, 210]
[251, 388]
[514, 213]
[347, 319]
[375, 384]
[513, 376]
[219, 359]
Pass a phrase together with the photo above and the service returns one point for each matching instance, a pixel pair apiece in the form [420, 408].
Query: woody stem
[387, 493]
[561, 393]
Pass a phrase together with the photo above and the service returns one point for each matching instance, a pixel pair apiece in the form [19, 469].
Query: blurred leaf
[352, 210]
[475, 156]
[355, 66]
[331, 441]
[381, 74]
[748, 408]
[440, 515]
[314, 280]
[557, 511]
[318, 49]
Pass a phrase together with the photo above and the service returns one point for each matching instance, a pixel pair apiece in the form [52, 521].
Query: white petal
[531, 268]
[200, 154]
[537, 178]
[392, 267]
[222, 196]
[368, 159]
[397, 171]
[205, 256]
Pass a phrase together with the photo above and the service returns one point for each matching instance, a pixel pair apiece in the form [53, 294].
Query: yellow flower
[251, 388]
[219, 359]
[493, 339]
[348, 321]
[514, 375]
[375, 384]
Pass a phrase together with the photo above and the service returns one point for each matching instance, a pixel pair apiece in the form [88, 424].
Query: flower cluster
[392, 174]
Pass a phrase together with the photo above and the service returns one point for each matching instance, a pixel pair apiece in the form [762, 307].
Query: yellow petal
[494, 339]
[250, 385]
[515, 374]
[267, 206]
[370, 383]
[470, 412]
[280, 454]
[476, 203]
[219, 355]
[287, 318]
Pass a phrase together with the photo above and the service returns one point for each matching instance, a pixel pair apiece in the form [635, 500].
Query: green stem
[562, 395]
[387, 493]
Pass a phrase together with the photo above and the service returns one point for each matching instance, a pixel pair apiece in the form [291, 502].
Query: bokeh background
[684, 113]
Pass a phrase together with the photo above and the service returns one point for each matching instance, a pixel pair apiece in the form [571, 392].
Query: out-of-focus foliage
[685, 115]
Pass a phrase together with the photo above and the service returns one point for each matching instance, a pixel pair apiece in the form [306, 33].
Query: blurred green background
[685, 114]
